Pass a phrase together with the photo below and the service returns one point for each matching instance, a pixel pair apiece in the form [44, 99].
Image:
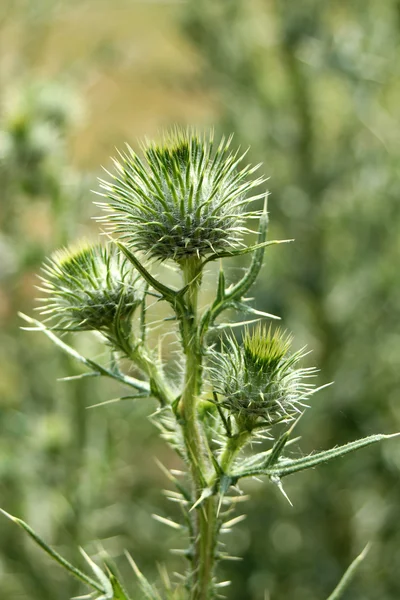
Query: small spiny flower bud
[182, 200]
[91, 287]
[260, 382]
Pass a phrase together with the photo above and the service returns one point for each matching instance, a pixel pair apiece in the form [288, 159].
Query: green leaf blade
[54, 555]
[287, 466]
[348, 575]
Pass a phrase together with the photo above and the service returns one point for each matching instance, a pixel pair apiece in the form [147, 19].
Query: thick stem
[207, 525]
[192, 384]
[204, 517]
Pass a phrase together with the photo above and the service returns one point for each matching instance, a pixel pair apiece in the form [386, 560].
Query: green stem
[233, 446]
[204, 570]
[158, 386]
[205, 516]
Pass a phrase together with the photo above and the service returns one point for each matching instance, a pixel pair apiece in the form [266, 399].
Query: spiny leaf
[240, 288]
[97, 369]
[287, 466]
[167, 293]
[241, 251]
[258, 460]
[229, 298]
[279, 445]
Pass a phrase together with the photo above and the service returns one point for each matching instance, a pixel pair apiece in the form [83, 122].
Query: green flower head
[260, 382]
[183, 199]
[91, 287]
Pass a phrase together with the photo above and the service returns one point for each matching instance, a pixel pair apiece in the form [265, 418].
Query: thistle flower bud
[182, 200]
[260, 382]
[91, 287]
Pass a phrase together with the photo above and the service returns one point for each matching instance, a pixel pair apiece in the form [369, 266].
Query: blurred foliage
[76, 475]
[313, 87]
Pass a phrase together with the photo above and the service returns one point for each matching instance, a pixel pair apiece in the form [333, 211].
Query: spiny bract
[90, 288]
[260, 381]
[183, 199]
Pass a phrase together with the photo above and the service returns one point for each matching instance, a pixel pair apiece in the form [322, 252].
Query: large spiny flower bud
[91, 287]
[260, 382]
[182, 200]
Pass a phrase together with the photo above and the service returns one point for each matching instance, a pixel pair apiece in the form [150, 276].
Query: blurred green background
[314, 88]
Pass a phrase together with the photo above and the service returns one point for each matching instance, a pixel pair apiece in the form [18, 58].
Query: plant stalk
[158, 386]
[232, 448]
[204, 516]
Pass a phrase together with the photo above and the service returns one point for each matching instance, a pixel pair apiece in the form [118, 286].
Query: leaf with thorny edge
[227, 298]
[286, 467]
[97, 369]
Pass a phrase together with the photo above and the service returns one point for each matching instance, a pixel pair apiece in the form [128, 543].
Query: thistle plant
[232, 414]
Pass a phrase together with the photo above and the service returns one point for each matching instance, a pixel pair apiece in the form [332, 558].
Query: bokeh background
[314, 88]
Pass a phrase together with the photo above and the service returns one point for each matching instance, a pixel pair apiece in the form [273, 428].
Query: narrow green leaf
[241, 251]
[231, 298]
[348, 576]
[54, 555]
[167, 293]
[221, 286]
[258, 460]
[225, 483]
[251, 275]
[287, 466]
[91, 364]
[279, 446]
